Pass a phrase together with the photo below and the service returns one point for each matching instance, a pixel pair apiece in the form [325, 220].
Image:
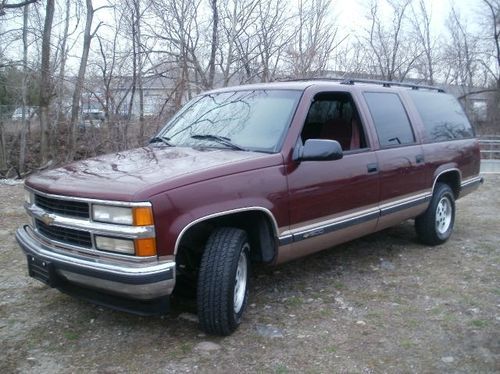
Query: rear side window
[442, 115]
[390, 119]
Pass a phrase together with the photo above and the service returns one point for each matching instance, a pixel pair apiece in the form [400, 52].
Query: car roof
[342, 84]
[278, 85]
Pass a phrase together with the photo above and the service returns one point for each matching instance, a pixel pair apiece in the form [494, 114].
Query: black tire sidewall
[217, 280]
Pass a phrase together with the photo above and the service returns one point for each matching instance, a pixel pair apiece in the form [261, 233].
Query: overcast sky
[352, 13]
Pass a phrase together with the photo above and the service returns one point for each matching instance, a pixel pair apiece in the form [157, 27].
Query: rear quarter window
[390, 119]
[442, 116]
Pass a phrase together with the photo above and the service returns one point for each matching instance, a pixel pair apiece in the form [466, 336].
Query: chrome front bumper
[131, 280]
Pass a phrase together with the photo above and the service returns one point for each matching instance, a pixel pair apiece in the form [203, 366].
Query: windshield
[250, 120]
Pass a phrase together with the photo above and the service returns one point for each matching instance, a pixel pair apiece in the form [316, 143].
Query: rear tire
[435, 225]
[223, 281]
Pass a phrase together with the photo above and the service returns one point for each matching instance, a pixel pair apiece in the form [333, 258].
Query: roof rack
[352, 81]
[391, 83]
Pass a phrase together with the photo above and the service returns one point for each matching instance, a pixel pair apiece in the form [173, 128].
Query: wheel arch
[452, 177]
[258, 222]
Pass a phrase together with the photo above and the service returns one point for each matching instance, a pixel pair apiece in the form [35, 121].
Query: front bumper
[133, 280]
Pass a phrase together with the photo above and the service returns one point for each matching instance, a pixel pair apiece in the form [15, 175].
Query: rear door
[404, 190]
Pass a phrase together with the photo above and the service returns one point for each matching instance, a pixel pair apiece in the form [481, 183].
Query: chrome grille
[64, 207]
[65, 235]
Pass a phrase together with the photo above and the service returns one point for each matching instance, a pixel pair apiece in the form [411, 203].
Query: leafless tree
[135, 23]
[77, 93]
[24, 89]
[236, 18]
[63, 50]
[491, 60]
[393, 52]
[492, 50]
[46, 84]
[108, 65]
[178, 34]
[421, 17]
[214, 43]
[461, 53]
[272, 36]
[315, 38]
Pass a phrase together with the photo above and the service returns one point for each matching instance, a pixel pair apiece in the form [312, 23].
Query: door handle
[372, 168]
[419, 159]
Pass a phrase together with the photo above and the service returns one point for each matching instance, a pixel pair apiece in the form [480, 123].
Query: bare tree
[271, 38]
[46, 90]
[461, 54]
[24, 89]
[421, 18]
[393, 52]
[77, 93]
[63, 52]
[491, 62]
[315, 39]
[214, 43]
[178, 35]
[493, 27]
[237, 17]
[108, 66]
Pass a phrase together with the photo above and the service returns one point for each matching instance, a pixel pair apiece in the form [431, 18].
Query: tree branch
[4, 5]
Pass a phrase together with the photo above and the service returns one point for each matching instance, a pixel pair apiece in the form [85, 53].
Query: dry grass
[342, 310]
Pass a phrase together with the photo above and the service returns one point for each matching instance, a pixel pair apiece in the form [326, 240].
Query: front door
[332, 201]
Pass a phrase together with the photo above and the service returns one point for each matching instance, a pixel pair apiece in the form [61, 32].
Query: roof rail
[391, 83]
[352, 81]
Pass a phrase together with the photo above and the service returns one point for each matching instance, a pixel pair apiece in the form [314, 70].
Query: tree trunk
[46, 83]
[24, 124]
[139, 61]
[62, 73]
[213, 51]
[3, 151]
[77, 93]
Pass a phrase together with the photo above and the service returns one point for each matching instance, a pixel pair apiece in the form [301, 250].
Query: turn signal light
[145, 247]
[142, 216]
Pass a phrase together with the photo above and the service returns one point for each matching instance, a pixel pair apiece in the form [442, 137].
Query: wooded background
[79, 79]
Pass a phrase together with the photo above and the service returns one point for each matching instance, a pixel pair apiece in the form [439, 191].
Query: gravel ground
[383, 303]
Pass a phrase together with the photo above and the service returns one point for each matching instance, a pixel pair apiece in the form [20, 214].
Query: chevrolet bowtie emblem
[47, 219]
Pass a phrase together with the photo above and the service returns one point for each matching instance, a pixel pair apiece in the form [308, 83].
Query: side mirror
[320, 150]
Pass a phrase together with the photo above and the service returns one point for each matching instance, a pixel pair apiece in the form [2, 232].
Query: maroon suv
[259, 173]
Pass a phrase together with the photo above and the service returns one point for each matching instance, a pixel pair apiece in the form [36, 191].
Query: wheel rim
[240, 286]
[443, 215]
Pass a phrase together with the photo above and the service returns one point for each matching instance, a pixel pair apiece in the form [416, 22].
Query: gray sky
[352, 13]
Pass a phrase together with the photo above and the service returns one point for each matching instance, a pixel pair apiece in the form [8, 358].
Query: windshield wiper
[161, 139]
[219, 139]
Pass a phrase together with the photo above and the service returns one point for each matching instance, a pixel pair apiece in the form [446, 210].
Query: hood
[139, 173]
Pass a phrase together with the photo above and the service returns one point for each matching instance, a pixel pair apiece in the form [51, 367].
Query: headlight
[105, 243]
[112, 214]
[137, 216]
[29, 198]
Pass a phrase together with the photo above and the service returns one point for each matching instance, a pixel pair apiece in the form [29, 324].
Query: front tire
[435, 225]
[223, 281]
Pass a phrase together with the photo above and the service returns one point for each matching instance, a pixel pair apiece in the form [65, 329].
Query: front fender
[263, 190]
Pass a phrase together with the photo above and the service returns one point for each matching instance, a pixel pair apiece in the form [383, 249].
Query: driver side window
[334, 116]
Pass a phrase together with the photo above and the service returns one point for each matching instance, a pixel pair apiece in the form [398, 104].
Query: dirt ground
[383, 303]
